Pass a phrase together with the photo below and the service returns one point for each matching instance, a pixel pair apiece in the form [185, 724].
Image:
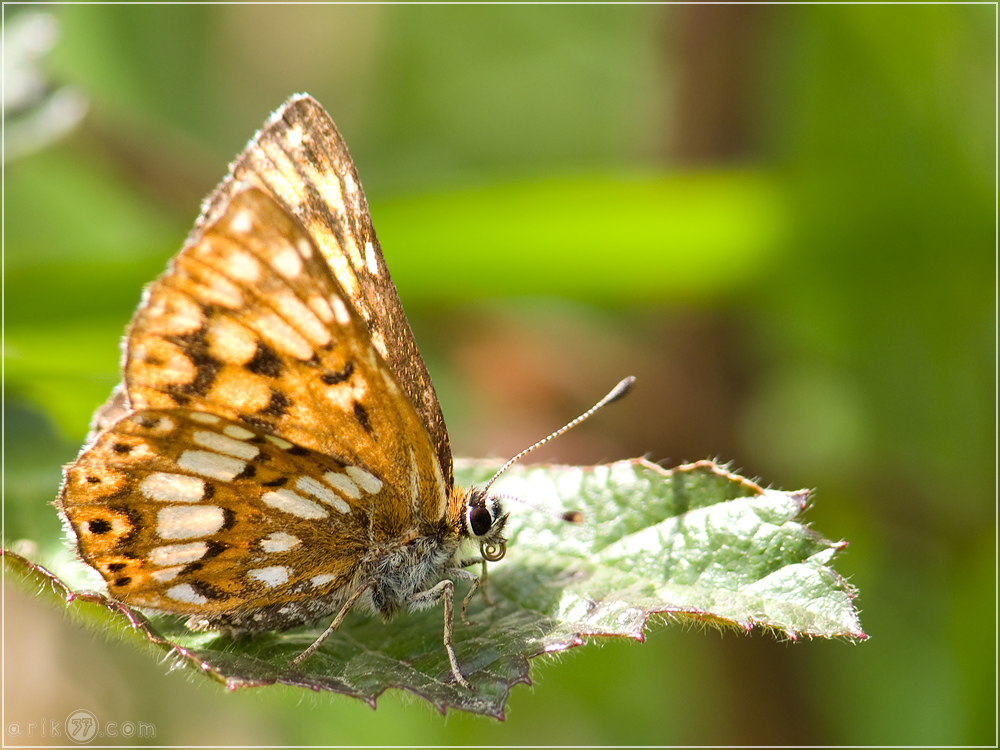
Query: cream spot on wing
[183, 592]
[211, 465]
[242, 222]
[343, 395]
[294, 504]
[389, 379]
[272, 576]
[174, 314]
[187, 521]
[172, 488]
[204, 417]
[414, 474]
[353, 250]
[294, 136]
[378, 341]
[235, 431]
[442, 490]
[228, 341]
[280, 442]
[305, 247]
[278, 541]
[321, 307]
[368, 482]
[311, 487]
[287, 262]
[341, 269]
[283, 337]
[327, 183]
[161, 425]
[349, 183]
[141, 450]
[242, 391]
[370, 260]
[300, 316]
[242, 266]
[342, 484]
[340, 310]
[167, 574]
[223, 444]
[220, 291]
[162, 363]
[177, 554]
[322, 579]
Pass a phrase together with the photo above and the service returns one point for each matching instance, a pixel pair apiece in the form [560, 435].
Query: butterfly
[276, 452]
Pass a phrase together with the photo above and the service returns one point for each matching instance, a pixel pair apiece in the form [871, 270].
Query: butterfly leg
[480, 582]
[445, 590]
[351, 601]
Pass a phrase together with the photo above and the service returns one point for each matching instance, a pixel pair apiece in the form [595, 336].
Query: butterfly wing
[300, 159]
[190, 513]
[260, 416]
[250, 324]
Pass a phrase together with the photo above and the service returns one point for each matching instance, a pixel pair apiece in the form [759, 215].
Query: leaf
[696, 542]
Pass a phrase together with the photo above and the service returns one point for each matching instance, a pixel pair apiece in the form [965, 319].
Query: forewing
[190, 513]
[249, 324]
[300, 159]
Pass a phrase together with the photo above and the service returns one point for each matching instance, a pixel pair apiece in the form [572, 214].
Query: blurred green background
[780, 218]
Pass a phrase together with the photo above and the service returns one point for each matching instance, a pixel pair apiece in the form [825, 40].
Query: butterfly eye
[480, 520]
[484, 517]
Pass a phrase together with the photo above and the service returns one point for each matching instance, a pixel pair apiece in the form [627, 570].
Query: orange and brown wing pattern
[250, 325]
[190, 513]
[300, 159]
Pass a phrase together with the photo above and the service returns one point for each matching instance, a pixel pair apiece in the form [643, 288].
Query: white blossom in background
[34, 114]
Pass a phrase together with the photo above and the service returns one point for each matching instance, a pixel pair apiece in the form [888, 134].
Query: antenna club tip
[622, 389]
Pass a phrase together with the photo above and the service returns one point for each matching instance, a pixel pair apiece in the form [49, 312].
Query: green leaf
[696, 542]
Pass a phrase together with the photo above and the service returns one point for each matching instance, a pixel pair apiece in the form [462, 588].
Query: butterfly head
[483, 522]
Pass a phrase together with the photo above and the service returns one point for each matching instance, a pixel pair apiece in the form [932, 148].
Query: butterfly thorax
[406, 569]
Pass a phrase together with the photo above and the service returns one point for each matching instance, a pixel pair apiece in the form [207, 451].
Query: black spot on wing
[208, 591]
[228, 519]
[195, 345]
[278, 405]
[249, 472]
[332, 378]
[264, 361]
[258, 422]
[99, 526]
[361, 414]
[215, 548]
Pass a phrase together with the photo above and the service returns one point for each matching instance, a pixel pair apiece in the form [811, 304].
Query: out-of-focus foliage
[818, 308]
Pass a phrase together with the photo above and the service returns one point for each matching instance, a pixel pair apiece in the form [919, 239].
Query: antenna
[619, 391]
